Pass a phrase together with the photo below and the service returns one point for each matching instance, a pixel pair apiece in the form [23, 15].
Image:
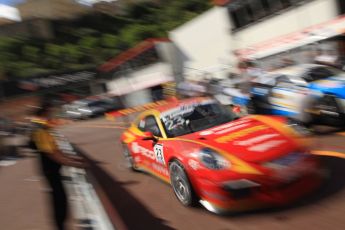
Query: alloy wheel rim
[179, 184]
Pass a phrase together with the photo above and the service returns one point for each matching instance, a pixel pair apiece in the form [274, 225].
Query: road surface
[144, 202]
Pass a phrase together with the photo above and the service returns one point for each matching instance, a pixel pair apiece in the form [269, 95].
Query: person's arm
[46, 145]
[64, 159]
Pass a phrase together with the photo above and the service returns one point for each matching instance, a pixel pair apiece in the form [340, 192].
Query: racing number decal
[158, 150]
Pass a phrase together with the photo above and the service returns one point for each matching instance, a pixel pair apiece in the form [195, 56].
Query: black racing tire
[329, 112]
[251, 108]
[181, 185]
[129, 159]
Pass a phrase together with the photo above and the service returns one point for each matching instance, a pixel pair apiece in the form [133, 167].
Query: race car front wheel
[181, 185]
[129, 159]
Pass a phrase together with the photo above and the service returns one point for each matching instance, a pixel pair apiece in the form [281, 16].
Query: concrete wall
[146, 77]
[137, 98]
[136, 85]
[208, 42]
[312, 13]
[169, 53]
[205, 41]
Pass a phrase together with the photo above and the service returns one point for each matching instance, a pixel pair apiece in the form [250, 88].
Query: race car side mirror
[149, 136]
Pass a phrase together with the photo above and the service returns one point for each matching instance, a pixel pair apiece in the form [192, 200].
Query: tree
[30, 53]
[109, 41]
[135, 33]
[72, 53]
[94, 38]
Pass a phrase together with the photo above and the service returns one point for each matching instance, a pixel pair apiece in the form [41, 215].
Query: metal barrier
[86, 205]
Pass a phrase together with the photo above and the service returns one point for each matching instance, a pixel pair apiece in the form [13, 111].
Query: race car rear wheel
[129, 158]
[181, 185]
[251, 107]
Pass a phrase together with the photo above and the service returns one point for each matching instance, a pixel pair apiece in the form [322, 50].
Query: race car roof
[176, 103]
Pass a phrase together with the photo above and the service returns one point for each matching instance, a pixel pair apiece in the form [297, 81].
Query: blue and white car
[309, 93]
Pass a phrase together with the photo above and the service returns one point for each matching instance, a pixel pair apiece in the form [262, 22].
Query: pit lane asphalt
[144, 202]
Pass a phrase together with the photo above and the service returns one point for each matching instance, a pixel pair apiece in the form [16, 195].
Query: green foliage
[135, 33]
[95, 38]
[53, 50]
[72, 53]
[82, 32]
[30, 53]
[109, 41]
[88, 43]
[10, 44]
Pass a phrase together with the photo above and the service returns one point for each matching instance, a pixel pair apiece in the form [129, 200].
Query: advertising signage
[46, 83]
[56, 80]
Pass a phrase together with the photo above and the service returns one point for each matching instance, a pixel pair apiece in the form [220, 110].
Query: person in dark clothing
[51, 161]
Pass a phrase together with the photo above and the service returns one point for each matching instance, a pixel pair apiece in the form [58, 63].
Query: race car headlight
[212, 160]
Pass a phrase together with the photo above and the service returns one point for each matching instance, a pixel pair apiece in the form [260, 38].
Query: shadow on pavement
[133, 214]
[334, 182]
[136, 216]
[326, 130]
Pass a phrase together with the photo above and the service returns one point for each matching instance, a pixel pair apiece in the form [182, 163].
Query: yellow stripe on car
[241, 133]
[128, 137]
[149, 170]
[328, 153]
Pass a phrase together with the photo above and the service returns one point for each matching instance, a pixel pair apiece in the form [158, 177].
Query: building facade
[204, 43]
[138, 75]
[219, 39]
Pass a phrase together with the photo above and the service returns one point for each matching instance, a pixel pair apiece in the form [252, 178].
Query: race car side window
[149, 124]
[141, 124]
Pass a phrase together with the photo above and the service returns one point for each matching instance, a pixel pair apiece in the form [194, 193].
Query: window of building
[245, 12]
[341, 7]
[257, 9]
[275, 6]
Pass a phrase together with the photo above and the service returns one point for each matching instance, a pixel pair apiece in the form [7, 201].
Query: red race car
[210, 155]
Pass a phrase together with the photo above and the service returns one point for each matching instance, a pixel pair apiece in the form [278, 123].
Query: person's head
[46, 108]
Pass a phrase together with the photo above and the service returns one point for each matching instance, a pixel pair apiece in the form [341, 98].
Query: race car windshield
[195, 118]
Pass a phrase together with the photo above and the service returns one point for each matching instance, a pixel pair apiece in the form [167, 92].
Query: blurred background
[142, 49]
[105, 56]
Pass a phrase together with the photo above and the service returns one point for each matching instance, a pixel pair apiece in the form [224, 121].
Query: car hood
[252, 138]
[332, 85]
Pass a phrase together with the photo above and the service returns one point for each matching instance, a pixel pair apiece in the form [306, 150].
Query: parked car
[91, 107]
[309, 93]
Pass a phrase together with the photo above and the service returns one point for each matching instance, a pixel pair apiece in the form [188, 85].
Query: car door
[285, 98]
[151, 152]
[261, 91]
